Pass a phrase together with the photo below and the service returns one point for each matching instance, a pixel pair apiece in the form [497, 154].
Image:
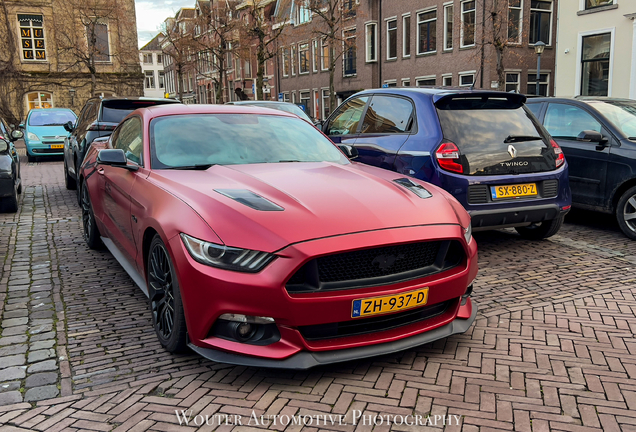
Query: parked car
[99, 117]
[44, 132]
[267, 246]
[483, 147]
[282, 106]
[598, 138]
[10, 178]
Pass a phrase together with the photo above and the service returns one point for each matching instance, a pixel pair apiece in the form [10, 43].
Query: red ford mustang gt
[259, 243]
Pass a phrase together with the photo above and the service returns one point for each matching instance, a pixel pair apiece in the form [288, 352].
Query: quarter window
[540, 21]
[426, 32]
[595, 64]
[468, 23]
[346, 120]
[32, 37]
[129, 139]
[515, 8]
[387, 115]
[568, 121]
[391, 37]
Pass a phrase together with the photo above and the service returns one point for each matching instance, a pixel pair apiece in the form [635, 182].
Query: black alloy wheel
[626, 213]
[91, 232]
[165, 298]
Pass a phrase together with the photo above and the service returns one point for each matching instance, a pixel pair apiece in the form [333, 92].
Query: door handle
[100, 171]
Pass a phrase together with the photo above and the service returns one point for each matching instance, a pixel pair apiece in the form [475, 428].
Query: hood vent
[250, 199]
[413, 187]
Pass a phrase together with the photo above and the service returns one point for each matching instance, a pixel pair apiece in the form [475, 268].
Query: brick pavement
[553, 347]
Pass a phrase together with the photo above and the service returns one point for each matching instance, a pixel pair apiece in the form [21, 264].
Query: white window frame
[39, 93]
[285, 55]
[161, 79]
[417, 39]
[153, 82]
[32, 38]
[389, 82]
[533, 73]
[322, 100]
[302, 14]
[520, 37]
[462, 12]
[577, 83]
[406, 37]
[395, 35]
[425, 77]
[512, 72]
[466, 73]
[151, 58]
[406, 80]
[292, 59]
[300, 72]
[582, 5]
[315, 52]
[367, 50]
[547, 43]
[324, 60]
[344, 46]
[445, 77]
[447, 6]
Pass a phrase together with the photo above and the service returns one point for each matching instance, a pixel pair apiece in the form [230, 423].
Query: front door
[342, 127]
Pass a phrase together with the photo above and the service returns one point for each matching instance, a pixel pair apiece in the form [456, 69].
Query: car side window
[568, 121]
[388, 114]
[129, 139]
[535, 108]
[347, 118]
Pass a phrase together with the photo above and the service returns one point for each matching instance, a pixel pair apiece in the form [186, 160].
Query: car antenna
[472, 86]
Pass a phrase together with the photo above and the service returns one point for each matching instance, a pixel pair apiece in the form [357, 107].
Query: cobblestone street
[553, 346]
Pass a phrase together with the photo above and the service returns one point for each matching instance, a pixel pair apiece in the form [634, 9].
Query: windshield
[231, 139]
[621, 113]
[51, 118]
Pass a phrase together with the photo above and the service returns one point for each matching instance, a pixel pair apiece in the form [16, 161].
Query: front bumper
[40, 149]
[209, 292]
[7, 186]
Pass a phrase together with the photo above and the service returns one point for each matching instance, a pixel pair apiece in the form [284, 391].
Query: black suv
[99, 118]
[598, 138]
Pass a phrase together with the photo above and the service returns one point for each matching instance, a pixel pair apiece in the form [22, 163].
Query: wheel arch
[620, 190]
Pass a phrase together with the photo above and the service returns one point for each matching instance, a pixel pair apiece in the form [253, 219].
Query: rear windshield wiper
[201, 167]
[519, 138]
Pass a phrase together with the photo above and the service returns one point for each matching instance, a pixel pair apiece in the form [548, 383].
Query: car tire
[31, 158]
[541, 231]
[166, 306]
[69, 182]
[20, 188]
[90, 230]
[10, 203]
[626, 213]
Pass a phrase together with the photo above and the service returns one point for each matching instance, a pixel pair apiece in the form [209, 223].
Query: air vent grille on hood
[250, 199]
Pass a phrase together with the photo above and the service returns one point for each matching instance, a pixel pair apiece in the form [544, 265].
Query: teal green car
[44, 132]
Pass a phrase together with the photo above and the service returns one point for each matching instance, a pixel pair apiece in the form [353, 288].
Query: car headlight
[468, 233]
[228, 258]
[32, 137]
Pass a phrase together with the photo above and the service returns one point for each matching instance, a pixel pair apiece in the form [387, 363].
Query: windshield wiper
[200, 167]
[519, 138]
[290, 160]
[632, 138]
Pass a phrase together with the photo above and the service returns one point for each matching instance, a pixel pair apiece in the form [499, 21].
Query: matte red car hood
[319, 200]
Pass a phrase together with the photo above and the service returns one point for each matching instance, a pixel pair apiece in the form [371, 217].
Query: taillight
[558, 152]
[447, 155]
[101, 127]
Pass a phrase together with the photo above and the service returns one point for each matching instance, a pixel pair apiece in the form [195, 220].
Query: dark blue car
[485, 148]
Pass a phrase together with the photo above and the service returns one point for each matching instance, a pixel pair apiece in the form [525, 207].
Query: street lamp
[538, 48]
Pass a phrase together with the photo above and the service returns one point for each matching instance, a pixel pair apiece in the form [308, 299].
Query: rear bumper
[6, 186]
[308, 359]
[489, 219]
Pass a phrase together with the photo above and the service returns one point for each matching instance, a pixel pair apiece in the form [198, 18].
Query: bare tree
[180, 44]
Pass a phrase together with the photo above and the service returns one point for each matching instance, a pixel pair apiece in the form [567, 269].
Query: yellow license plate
[513, 191]
[57, 146]
[387, 304]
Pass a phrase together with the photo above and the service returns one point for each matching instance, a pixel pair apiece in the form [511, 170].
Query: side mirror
[21, 125]
[69, 127]
[591, 136]
[115, 158]
[4, 146]
[349, 151]
[17, 134]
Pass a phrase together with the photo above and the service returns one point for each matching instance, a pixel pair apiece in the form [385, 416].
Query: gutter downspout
[380, 43]
[483, 43]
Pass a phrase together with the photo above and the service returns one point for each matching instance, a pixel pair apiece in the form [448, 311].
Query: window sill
[389, 60]
[406, 56]
[447, 51]
[350, 75]
[371, 61]
[429, 53]
[467, 47]
[597, 9]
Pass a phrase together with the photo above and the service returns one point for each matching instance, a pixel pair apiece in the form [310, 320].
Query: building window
[543, 84]
[390, 83]
[303, 13]
[448, 27]
[32, 37]
[349, 8]
[150, 79]
[325, 104]
[324, 58]
[427, 81]
[285, 61]
[591, 4]
[293, 100]
[466, 80]
[293, 60]
[372, 42]
[97, 36]
[468, 23]
[447, 81]
[349, 56]
[515, 8]
[426, 32]
[540, 21]
[316, 56]
[39, 100]
[162, 79]
[159, 59]
[406, 36]
[305, 97]
[147, 58]
[391, 37]
[286, 97]
[595, 64]
[513, 82]
[303, 58]
[406, 83]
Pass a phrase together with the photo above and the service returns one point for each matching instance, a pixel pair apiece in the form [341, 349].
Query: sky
[151, 13]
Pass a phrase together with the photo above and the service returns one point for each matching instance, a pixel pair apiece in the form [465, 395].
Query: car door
[77, 141]
[342, 126]
[587, 161]
[388, 122]
[118, 184]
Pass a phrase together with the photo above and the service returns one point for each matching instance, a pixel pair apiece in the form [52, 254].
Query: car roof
[582, 99]
[134, 98]
[181, 109]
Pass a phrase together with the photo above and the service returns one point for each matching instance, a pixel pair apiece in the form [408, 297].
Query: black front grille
[477, 194]
[550, 188]
[371, 325]
[376, 266]
[49, 150]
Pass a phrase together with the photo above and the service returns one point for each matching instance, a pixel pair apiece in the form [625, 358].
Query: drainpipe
[483, 46]
[380, 43]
